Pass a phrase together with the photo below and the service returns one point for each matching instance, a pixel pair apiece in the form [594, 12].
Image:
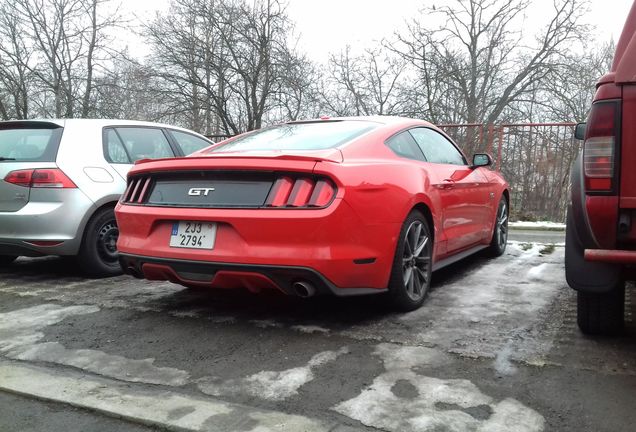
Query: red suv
[600, 248]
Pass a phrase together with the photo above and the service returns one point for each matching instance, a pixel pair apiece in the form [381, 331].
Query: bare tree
[476, 65]
[227, 65]
[15, 77]
[365, 84]
[57, 45]
[570, 90]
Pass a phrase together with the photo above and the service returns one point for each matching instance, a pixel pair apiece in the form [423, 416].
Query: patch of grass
[547, 249]
[525, 246]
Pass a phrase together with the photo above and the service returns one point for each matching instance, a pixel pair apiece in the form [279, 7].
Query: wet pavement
[494, 348]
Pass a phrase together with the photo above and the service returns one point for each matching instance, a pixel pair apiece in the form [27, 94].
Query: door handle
[447, 184]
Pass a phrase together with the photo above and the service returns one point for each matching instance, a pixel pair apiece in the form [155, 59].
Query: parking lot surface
[495, 348]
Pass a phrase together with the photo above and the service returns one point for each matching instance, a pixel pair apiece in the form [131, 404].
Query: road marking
[137, 403]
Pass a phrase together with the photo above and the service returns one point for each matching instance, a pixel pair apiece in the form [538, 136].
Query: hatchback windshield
[29, 144]
[299, 136]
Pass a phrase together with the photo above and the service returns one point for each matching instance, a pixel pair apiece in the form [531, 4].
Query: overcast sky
[326, 26]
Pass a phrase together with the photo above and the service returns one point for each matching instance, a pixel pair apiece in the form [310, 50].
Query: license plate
[193, 235]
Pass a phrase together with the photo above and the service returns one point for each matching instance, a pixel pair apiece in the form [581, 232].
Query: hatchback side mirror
[481, 160]
[579, 131]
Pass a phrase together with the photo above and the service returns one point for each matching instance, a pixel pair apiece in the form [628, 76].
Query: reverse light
[40, 178]
[600, 147]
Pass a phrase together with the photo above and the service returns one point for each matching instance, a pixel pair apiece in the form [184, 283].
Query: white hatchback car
[61, 179]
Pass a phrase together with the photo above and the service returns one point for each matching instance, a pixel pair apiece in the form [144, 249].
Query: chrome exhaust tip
[304, 289]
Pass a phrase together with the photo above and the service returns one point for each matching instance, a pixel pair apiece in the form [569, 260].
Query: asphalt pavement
[495, 348]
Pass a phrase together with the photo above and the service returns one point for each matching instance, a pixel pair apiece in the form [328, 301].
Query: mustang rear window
[299, 136]
[29, 142]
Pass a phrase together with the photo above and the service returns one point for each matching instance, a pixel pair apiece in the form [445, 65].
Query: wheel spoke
[408, 275]
[422, 260]
[411, 235]
[423, 275]
[411, 284]
[408, 247]
[420, 248]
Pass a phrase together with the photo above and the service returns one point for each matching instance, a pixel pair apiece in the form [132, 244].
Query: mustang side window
[436, 147]
[404, 145]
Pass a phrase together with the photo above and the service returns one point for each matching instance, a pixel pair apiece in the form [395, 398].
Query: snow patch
[502, 364]
[535, 272]
[20, 333]
[265, 323]
[440, 404]
[310, 329]
[99, 362]
[537, 225]
[271, 385]
[21, 328]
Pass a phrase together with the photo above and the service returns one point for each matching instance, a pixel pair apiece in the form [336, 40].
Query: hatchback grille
[230, 190]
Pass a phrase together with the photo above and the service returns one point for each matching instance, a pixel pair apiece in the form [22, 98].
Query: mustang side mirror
[481, 160]
[579, 131]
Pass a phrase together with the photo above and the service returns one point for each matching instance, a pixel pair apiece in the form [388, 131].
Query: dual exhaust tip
[301, 288]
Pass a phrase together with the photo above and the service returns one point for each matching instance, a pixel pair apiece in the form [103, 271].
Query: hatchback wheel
[5, 260]
[412, 266]
[98, 253]
[500, 234]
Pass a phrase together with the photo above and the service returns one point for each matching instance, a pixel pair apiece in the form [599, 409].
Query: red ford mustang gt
[344, 206]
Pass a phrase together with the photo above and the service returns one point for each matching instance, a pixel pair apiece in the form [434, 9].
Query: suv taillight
[40, 178]
[599, 150]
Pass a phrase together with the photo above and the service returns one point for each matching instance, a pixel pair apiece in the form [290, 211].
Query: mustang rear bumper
[224, 275]
[334, 242]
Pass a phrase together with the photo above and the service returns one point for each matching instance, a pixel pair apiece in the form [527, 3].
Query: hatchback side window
[404, 145]
[114, 149]
[189, 143]
[436, 147]
[145, 143]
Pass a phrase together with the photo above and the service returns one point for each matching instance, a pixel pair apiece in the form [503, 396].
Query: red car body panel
[350, 243]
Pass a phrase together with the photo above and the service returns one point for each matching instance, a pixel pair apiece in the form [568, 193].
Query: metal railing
[535, 158]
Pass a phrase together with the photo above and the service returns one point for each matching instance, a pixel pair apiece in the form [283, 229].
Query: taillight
[599, 149]
[302, 192]
[137, 191]
[40, 178]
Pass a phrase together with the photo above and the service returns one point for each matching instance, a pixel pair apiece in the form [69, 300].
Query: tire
[412, 265]
[601, 314]
[499, 239]
[98, 253]
[5, 260]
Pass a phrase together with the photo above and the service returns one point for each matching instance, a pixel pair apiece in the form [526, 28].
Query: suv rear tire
[98, 254]
[601, 314]
[5, 260]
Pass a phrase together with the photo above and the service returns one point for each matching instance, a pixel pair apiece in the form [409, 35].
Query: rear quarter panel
[81, 158]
